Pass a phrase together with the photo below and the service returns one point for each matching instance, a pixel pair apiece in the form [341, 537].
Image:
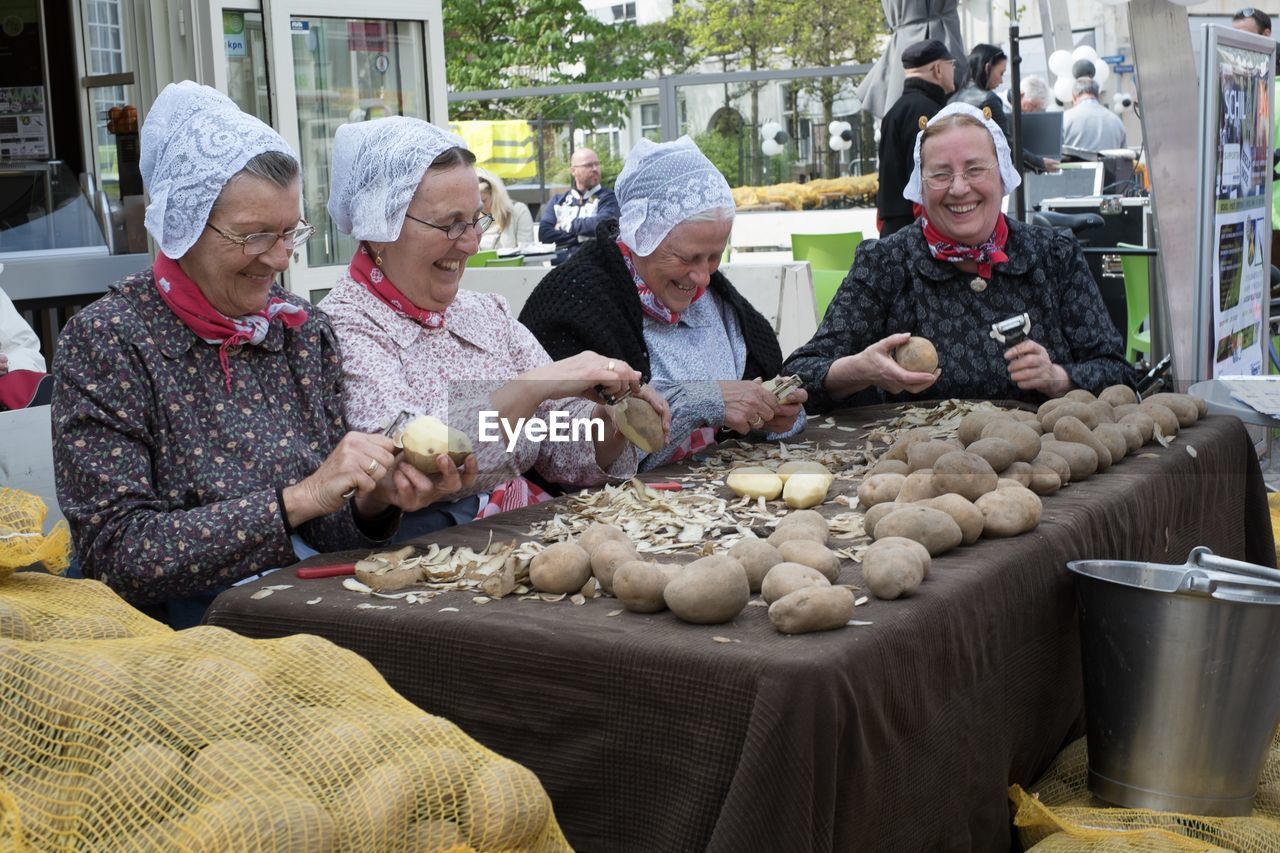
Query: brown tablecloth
[902, 735]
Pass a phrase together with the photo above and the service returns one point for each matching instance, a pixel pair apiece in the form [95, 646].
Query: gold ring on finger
[373, 466]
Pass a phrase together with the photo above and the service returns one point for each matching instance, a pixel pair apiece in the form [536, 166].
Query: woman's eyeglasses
[972, 175]
[257, 244]
[457, 229]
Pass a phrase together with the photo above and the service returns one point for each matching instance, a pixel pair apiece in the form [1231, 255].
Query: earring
[377, 259]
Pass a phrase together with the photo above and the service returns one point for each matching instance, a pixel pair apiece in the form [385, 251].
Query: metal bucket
[1182, 680]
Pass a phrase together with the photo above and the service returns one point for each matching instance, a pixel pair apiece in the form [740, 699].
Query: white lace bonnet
[377, 166]
[194, 140]
[662, 185]
[1008, 175]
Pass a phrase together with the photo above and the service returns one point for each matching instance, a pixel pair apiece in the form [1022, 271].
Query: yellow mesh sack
[1061, 816]
[1273, 502]
[22, 537]
[203, 740]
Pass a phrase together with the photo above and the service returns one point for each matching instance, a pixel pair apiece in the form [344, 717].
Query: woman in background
[512, 222]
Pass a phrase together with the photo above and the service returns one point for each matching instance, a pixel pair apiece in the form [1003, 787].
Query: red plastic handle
[309, 572]
[669, 486]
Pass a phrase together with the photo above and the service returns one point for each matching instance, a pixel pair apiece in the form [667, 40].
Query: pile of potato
[793, 569]
[801, 483]
[988, 482]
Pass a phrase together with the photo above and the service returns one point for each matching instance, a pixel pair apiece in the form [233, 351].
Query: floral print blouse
[168, 480]
[392, 363]
[895, 285]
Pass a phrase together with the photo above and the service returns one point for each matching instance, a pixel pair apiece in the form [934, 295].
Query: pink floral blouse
[390, 363]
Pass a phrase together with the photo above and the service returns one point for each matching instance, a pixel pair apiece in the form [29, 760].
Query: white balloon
[1085, 51]
[1062, 90]
[835, 143]
[1102, 73]
[1060, 63]
[770, 148]
[770, 129]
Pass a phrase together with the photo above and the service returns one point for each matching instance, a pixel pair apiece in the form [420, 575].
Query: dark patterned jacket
[895, 285]
[590, 303]
[898, 132]
[169, 481]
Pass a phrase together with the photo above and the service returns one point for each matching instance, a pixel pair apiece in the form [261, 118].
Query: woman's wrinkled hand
[748, 405]
[406, 487]
[876, 366]
[1032, 369]
[586, 373]
[785, 418]
[359, 461]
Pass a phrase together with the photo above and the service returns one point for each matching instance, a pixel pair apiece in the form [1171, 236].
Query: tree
[824, 34]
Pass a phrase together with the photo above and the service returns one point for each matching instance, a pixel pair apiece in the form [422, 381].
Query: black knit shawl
[590, 303]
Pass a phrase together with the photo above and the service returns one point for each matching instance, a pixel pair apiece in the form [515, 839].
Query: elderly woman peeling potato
[648, 289]
[197, 420]
[414, 340]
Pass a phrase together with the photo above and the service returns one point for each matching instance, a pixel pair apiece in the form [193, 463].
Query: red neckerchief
[943, 248]
[649, 301]
[185, 299]
[365, 271]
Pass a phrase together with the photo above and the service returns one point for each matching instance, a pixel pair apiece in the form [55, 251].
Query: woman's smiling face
[967, 209]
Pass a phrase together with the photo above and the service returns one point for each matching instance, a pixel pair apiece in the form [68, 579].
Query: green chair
[728, 250]
[513, 261]
[825, 285]
[479, 259]
[826, 251]
[1137, 300]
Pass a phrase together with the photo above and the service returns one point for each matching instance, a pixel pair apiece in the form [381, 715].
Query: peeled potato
[640, 423]
[805, 490]
[754, 481]
[426, 437]
[802, 466]
[918, 355]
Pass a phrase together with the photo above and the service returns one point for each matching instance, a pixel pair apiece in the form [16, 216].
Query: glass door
[387, 61]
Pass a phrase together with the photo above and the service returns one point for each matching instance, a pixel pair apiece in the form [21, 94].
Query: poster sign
[233, 39]
[24, 129]
[1235, 236]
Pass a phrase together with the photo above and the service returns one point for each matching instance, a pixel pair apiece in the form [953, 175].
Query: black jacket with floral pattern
[895, 285]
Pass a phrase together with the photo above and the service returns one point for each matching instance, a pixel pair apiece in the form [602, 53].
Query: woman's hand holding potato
[748, 405]
[876, 366]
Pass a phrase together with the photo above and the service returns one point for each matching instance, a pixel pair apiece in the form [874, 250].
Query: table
[903, 735]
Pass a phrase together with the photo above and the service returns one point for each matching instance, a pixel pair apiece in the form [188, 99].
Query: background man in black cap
[930, 78]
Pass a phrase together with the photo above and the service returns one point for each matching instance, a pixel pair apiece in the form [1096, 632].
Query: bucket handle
[1204, 558]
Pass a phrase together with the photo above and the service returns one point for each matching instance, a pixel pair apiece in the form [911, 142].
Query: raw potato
[1056, 463]
[966, 474]
[890, 466]
[803, 466]
[879, 488]
[1048, 406]
[814, 555]
[919, 486]
[385, 573]
[1080, 411]
[1103, 412]
[1044, 480]
[1081, 395]
[424, 438]
[786, 578]
[791, 532]
[753, 481]
[709, 591]
[1019, 472]
[1163, 416]
[917, 355]
[900, 448]
[925, 453]
[1070, 429]
[891, 571]
[758, 557]
[1132, 435]
[965, 514]
[382, 799]
[1182, 405]
[1081, 458]
[605, 561]
[562, 567]
[639, 586]
[1124, 409]
[1025, 440]
[1009, 512]
[810, 518]
[998, 452]
[805, 490]
[1118, 395]
[872, 516]
[640, 422]
[599, 533]
[970, 428]
[932, 528]
[1028, 418]
[1113, 439]
[1143, 422]
[812, 609]
[926, 562]
[506, 808]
